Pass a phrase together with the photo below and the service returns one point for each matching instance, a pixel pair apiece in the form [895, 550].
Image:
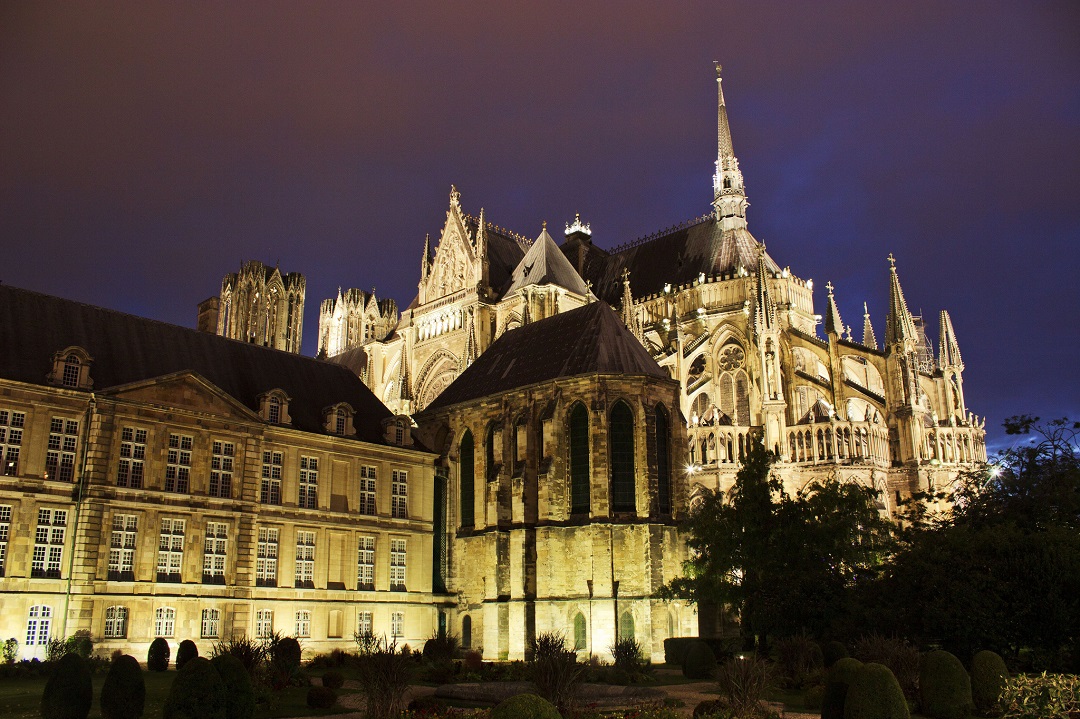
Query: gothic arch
[622, 459]
[512, 322]
[440, 369]
[579, 454]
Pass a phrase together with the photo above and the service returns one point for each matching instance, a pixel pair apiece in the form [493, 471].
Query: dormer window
[398, 431]
[274, 407]
[71, 368]
[338, 420]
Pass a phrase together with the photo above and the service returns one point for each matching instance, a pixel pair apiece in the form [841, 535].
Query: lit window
[164, 622]
[129, 472]
[399, 491]
[397, 624]
[221, 468]
[270, 489]
[178, 469]
[303, 623]
[170, 550]
[214, 552]
[72, 367]
[365, 624]
[11, 436]
[305, 559]
[365, 564]
[264, 623]
[122, 547]
[266, 561]
[339, 421]
[367, 490]
[309, 482]
[49, 543]
[60, 457]
[397, 564]
[211, 623]
[116, 622]
[37, 625]
[5, 529]
[274, 410]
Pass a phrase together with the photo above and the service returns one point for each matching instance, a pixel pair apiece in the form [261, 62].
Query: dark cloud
[146, 149]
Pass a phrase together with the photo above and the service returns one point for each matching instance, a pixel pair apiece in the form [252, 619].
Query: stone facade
[166, 505]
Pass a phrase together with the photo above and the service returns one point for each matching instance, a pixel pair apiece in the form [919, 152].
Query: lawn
[20, 699]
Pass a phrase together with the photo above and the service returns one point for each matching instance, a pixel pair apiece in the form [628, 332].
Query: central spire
[729, 194]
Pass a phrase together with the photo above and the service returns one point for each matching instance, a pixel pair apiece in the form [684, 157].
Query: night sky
[146, 150]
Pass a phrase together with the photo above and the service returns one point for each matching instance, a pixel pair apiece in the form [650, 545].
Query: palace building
[509, 454]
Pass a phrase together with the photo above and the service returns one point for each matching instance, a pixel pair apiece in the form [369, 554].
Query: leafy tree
[785, 562]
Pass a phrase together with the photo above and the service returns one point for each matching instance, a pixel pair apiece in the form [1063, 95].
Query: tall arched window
[663, 460]
[467, 470]
[489, 454]
[580, 637]
[579, 459]
[626, 626]
[621, 436]
[466, 632]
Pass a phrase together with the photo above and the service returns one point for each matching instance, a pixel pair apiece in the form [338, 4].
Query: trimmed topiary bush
[944, 687]
[157, 658]
[837, 682]
[185, 653]
[700, 662]
[988, 675]
[69, 692]
[197, 693]
[321, 697]
[239, 694]
[833, 652]
[287, 652]
[875, 694]
[525, 706]
[675, 649]
[123, 696]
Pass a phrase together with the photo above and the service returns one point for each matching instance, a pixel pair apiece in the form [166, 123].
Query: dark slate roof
[544, 264]
[677, 257]
[587, 340]
[127, 349]
[503, 252]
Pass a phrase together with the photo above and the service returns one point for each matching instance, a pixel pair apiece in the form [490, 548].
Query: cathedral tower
[260, 305]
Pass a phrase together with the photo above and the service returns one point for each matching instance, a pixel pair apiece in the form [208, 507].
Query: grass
[21, 699]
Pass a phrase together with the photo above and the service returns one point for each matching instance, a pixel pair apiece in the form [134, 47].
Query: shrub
[743, 682]
[833, 652]
[700, 663]
[384, 677]
[814, 697]
[80, 643]
[944, 687]
[988, 675]
[321, 697]
[474, 661]
[333, 680]
[123, 696]
[629, 655]
[185, 653]
[249, 652]
[837, 682]
[55, 649]
[712, 708]
[875, 694]
[157, 658]
[899, 655]
[1038, 696]
[11, 650]
[675, 649]
[525, 706]
[440, 649]
[197, 693]
[800, 660]
[429, 705]
[287, 652]
[239, 694]
[555, 670]
[283, 655]
[366, 642]
[69, 692]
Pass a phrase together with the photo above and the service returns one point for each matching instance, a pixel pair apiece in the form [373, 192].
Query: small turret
[899, 325]
[764, 307]
[948, 348]
[833, 323]
[729, 193]
[868, 337]
[425, 262]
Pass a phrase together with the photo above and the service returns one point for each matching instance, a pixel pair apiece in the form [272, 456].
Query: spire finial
[543, 225]
[829, 287]
[892, 262]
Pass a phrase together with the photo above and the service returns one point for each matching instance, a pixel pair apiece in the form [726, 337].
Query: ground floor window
[211, 623]
[579, 632]
[37, 625]
[116, 622]
[397, 624]
[264, 623]
[164, 622]
[303, 623]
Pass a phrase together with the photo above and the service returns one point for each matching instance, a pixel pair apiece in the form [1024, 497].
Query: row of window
[579, 452]
[39, 623]
[131, 465]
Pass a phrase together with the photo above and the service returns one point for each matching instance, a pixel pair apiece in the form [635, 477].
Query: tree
[785, 562]
[1000, 571]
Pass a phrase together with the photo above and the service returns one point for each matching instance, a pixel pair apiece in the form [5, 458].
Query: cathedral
[739, 333]
[510, 454]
